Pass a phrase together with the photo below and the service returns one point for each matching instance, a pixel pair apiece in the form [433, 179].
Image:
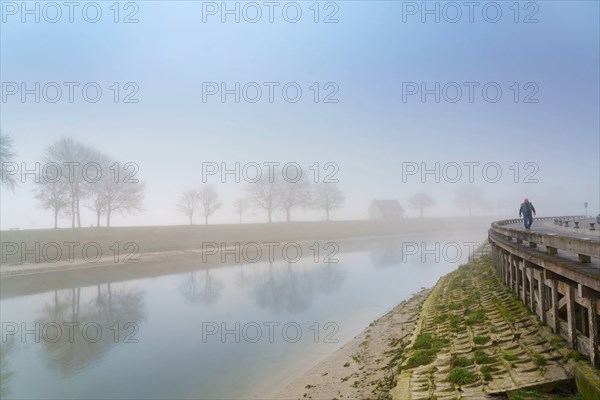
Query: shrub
[462, 376]
[475, 317]
[461, 362]
[421, 357]
[481, 339]
[486, 371]
[539, 360]
[482, 358]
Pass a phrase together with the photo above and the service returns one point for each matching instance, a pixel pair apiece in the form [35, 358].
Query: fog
[459, 186]
[388, 105]
[369, 138]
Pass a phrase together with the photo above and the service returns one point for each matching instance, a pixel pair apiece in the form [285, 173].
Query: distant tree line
[468, 197]
[109, 193]
[268, 195]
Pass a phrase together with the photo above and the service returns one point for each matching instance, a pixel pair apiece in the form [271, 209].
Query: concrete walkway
[549, 227]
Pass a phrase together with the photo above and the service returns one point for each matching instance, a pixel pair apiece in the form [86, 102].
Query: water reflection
[394, 252]
[6, 375]
[289, 288]
[369, 279]
[79, 332]
[201, 287]
[386, 257]
[330, 277]
[242, 279]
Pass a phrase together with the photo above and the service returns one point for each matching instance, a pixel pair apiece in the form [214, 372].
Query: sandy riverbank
[362, 368]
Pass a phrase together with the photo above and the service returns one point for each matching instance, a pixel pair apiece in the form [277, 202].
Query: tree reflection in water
[201, 287]
[388, 257]
[397, 254]
[115, 312]
[329, 277]
[6, 347]
[242, 279]
[291, 288]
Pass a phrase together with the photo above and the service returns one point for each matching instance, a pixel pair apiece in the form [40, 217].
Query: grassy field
[184, 237]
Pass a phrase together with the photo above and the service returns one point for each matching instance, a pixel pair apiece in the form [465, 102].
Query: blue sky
[369, 133]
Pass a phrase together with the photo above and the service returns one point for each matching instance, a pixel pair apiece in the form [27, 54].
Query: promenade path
[547, 226]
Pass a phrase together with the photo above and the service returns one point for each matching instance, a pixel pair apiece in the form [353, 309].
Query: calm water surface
[237, 331]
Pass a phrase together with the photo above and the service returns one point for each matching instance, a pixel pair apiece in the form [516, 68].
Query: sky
[376, 65]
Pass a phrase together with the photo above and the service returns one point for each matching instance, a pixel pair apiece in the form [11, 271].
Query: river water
[234, 331]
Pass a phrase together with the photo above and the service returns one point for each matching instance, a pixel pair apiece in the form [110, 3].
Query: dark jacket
[526, 209]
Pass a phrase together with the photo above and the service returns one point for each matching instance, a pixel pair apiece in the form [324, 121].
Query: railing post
[593, 328]
[501, 265]
[554, 306]
[541, 294]
[571, 329]
[531, 292]
[523, 292]
[505, 264]
[510, 272]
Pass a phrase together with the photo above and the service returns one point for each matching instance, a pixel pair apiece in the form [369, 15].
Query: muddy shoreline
[361, 367]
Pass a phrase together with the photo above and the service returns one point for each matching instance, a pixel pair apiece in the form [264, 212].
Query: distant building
[386, 210]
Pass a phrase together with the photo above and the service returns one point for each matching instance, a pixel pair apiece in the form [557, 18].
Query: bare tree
[328, 197]
[71, 156]
[114, 193]
[209, 199]
[97, 204]
[7, 155]
[122, 196]
[421, 201]
[53, 195]
[188, 204]
[468, 197]
[240, 206]
[262, 195]
[93, 186]
[291, 195]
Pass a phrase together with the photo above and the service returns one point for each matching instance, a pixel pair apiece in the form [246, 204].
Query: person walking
[526, 210]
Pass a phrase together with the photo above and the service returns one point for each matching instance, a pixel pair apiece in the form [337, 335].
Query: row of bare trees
[65, 182]
[266, 195]
[104, 191]
[69, 192]
[205, 199]
[468, 197]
